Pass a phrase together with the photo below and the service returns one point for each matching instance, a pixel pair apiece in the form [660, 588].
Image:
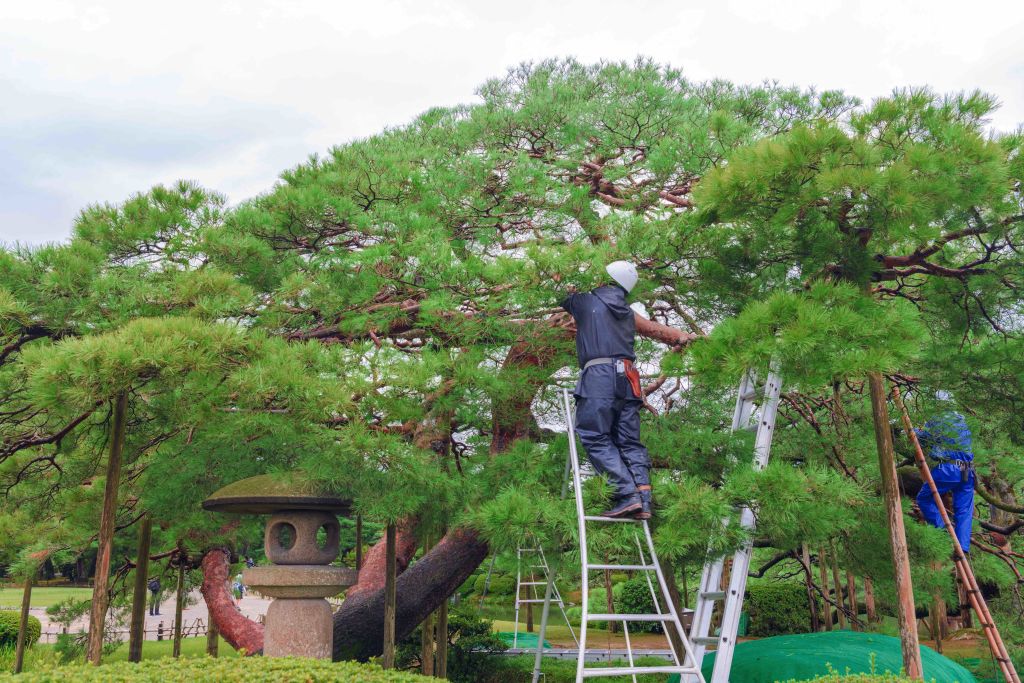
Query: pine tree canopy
[386, 317]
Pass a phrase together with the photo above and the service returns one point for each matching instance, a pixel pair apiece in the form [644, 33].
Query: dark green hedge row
[777, 609]
[227, 670]
[9, 628]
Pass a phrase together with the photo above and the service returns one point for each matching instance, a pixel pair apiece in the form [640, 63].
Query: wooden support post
[137, 626]
[212, 639]
[387, 660]
[427, 646]
[812, 599]
[905, 614]
[851, 594]
[840, 614]
[823, 571]
[179, 603]
[441, 670]
[869, 600]
[359, 542]
[26, 603]
[101, 589]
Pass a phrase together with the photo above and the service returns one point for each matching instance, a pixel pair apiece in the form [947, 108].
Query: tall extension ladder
[531, 588]
[665, 611]
[963, 566]
[710, 583]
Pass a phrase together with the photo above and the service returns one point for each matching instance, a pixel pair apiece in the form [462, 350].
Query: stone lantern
[301, 539]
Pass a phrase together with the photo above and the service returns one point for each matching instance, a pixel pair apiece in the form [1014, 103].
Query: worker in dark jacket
[608, 395]
[947, 441]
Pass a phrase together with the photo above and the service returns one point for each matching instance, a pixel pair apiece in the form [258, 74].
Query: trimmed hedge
[777, 609]
[9, 620]
[233, 670]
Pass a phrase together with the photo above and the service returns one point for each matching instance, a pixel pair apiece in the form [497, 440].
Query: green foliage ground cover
[235, 670]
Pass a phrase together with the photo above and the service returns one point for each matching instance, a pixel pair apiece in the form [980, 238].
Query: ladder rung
[532, 600]
[713, 595]
[629, 617]
[748, 395]
[627, 670]
[598, 518]
[533, 583]
[624, 567]
[704, 640]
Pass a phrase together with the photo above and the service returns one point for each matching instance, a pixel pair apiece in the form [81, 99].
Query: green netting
[526, 640]
[808, 655]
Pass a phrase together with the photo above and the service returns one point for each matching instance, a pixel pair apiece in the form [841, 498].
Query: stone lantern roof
[266, 494]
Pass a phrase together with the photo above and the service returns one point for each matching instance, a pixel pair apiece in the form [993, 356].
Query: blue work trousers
[609, 429]
[948, 478]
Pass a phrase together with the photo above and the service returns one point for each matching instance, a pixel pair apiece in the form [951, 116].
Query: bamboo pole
[179, 604]
[101, 591]
[136, 629]
[823, 571]
[26, 603]
[995, 640]
[390, 603]
[905, 613]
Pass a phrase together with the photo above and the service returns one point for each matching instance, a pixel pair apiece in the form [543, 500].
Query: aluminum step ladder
[665, 611]
[745, 417]
[538, 561]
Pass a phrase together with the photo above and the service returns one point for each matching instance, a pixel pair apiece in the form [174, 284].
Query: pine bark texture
[239, 632]
[851, 596]
[905, 613]
[179, 603]
[136, 629]
[823, 571]
[812, 599]
[101, 589]
[840, 614]
[869, 600]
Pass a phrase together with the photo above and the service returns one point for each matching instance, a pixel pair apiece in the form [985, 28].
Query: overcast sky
[99, 100]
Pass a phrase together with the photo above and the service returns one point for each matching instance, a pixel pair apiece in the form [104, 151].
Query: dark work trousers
[949, 478]
[609, 429]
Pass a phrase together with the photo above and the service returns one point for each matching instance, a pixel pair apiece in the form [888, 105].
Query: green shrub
[777, 609]
[471, 647]
[233, 670]
[9, 620]
[635, 598]
[501, 584]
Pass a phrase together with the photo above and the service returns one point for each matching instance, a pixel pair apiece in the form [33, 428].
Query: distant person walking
[155, 590]
[238, 589]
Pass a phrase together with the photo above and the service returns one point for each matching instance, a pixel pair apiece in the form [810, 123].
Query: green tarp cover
[808, 655]
[526, 640]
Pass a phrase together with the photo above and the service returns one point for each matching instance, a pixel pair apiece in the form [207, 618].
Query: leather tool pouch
[633, 375]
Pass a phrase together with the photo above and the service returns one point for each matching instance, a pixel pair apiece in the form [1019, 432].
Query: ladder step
[624, 567]
[704, 640]
[533, 583]
[713, 595]
[532, 601]
[598, 518]
[629, 617]
[628, 670]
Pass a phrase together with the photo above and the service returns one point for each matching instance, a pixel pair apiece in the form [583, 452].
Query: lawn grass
[10, 598]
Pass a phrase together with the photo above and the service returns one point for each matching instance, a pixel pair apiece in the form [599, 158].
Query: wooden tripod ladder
[963, 566]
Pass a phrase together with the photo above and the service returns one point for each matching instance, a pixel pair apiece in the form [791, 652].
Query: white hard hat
[624, 273]
[943, 395]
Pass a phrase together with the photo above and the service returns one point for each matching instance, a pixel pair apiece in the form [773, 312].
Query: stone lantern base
[299, 620]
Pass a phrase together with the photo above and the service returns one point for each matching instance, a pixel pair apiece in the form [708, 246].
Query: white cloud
[105, 98]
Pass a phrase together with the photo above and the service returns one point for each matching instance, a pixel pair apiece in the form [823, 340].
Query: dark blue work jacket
[605, 328]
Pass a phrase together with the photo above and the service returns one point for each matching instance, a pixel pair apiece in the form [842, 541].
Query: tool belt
[623, 366]
[965, 466]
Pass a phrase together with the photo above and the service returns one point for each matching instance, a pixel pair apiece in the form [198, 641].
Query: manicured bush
[471, 647]
[777, 609]
[233, 670]
[635, 598]
[501, 584]
[9, 620]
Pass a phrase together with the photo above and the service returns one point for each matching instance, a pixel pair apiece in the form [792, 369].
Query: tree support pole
[136, 630]
[101, 591]
[359, 542]
[441, 670]
[428, 636]
[179, 604]
[851, 593]
[212, 639]
[869, 600]
[839, 589]
[995, 640]
[812, 601]
[26, 602]
[388, 657]
[905, 613]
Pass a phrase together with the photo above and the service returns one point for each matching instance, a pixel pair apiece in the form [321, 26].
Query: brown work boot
[624, 507]
[646, 505]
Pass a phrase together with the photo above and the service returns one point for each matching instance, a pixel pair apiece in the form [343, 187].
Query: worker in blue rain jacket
[946, 439]
[608, 394]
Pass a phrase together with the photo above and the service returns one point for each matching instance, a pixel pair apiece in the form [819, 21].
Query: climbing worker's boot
[646, 506]
[624, 507]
